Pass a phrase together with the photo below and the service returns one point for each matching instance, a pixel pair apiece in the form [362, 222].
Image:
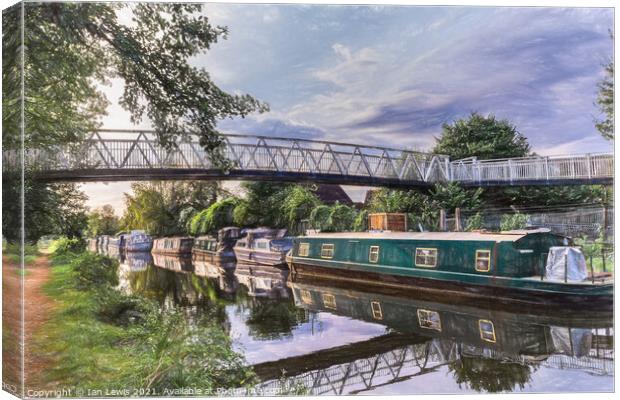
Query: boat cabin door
[354, 248]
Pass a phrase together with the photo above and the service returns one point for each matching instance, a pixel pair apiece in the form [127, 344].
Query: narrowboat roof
[511, 236]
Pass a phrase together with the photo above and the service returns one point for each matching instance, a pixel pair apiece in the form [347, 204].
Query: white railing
[307, 157]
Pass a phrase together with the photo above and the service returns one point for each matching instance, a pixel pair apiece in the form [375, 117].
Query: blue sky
[395, 74]
[392, 75]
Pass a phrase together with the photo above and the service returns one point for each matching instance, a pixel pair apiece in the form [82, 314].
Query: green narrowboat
[508, 266]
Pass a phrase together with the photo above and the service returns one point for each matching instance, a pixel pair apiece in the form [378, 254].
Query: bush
[361, 221]
[341, 218]
[319, 218]
[474, 223]
[217, 216]
[513, 221]
[93, 271]
[122, 309]
[64, 245]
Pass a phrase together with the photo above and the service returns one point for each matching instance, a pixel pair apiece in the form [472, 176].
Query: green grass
[87, 346]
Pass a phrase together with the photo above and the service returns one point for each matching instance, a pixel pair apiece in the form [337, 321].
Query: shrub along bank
[99, 338]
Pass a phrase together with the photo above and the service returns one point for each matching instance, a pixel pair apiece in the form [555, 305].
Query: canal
[349, 339]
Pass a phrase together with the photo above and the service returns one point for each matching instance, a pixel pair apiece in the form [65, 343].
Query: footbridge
[139, 156]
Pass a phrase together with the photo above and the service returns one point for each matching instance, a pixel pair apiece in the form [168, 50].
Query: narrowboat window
[304, 249]
[261, 245]
[429, 319]
[306, 297]
[373, 255]
[377, 312]
[240, 244]
[487, 330]
[425, 257]
[329, 300]
[483, 260]
[327, 250]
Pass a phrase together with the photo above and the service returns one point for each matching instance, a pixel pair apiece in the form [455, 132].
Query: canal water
[348, 339]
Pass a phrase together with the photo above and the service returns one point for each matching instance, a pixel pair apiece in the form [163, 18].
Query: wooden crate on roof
[396, 222]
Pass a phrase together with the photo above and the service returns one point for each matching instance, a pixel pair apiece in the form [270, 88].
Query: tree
[56, 209]
[298, 205]
[217, 216]
[481, 137]
[102, 221]
[262, 205]
[605, 100]
[71, 46]
[341, 217]
[160, 207]
[450, 196]
[319, 217]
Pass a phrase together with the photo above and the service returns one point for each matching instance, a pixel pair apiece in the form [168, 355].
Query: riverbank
[98, 339]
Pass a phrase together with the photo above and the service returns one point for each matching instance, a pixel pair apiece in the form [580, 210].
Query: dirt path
[37, 310]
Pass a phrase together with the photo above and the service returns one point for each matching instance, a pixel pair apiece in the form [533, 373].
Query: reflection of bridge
[400, 363]
[284, 159]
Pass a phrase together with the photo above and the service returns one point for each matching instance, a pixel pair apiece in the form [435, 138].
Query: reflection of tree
[271, 319]
[490, 375]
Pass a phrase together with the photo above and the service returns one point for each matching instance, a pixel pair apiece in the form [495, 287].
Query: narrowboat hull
[139, 247]
[272, 258]
[224, 260]
[517, 291]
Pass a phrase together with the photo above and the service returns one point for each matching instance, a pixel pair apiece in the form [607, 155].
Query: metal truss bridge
[284, 159]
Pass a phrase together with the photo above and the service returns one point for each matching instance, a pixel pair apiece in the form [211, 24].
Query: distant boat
[118, 241]
[177, 263]
[217, 250]
[514, 266]
[173, 245]
[92, 245]
[139, 241]
[264, 246]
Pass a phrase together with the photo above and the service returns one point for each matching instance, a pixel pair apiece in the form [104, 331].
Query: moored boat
[173, 245]
[138, 241]
[264, 246]
[217, 250]
[509, 266]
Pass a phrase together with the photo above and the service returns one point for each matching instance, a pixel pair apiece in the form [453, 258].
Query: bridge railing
[308, 157]
[582, 166]
[254, 153]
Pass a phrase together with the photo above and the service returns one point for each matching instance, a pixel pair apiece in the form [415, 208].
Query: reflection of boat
[217, 250]
[138, 241]
[263, 280]
[138, 261]
[488, 265]
[264, 246]
[102, 243]
[173, 245]
[488, 350]
[510, 334]
[173, 263]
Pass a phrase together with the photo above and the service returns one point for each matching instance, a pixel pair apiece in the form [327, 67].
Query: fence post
[603, 256]
[457, 219]
[592, 267]
[442, 220]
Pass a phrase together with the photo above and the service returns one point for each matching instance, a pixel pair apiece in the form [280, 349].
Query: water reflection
[336, 339]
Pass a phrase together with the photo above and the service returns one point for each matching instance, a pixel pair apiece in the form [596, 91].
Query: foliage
[160, 208]
[450, 196]
[262, 205]
[283, 316]
[94, 271]
[298, 205]
[217, 216]
[92, 331]
[48, 209]
[474, 223]
[63, 246]
[361, 221]
[605, 101]
[513, 221]
[394, 201]
[341, 217]
[481, 137]
[72, 46]
[102, 221]
[319, 218]
[590, 248]
[489, 375]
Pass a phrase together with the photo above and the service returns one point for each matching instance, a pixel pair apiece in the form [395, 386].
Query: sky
[392, 75]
